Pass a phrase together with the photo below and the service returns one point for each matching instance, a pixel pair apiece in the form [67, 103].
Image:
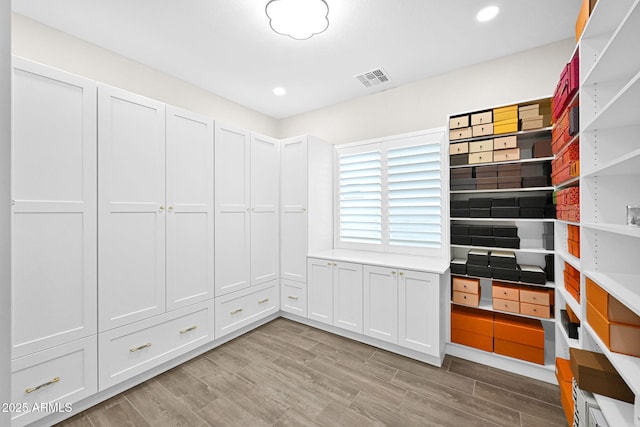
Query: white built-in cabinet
[320, 290]
[381, 303]
[246, 209]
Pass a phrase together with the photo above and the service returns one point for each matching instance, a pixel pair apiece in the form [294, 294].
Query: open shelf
[532, 133]
[566, 256]
[505, 219]
[571, 342]
[563, 221]
[486, 304]
[532, 160]
[549, 285]
[625, 230]
[627, 164]
[623, 287]
[504, 190]
[627, 366]
[616, 412]
[622, 110]
[571, 302]
[569, 183]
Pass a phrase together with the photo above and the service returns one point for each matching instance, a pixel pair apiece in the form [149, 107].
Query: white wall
[427, 103]
[47, 45]
[5, 207]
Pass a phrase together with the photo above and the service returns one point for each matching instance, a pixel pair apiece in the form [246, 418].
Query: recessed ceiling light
[487, 14]
[279, 91]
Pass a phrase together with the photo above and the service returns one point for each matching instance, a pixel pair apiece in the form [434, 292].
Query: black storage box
[459, 160]
[480, 212]
[550, 211]
[477, 257]
[533, 169]
[478, 270]
[568, 325]
[489, 170]
[503, 259]
[507, 242]
[459, 204]
[504, 202]
[549, 267]
[480, 202]
[505, 212]
[480, 230]
[460, 173]
[574, 120]
[465, 187]
[510, 181]
[457, 239]
[459, 229]
[483, 241]
[542, 149]
[509, 170]
[532, 274]
[459, 213]
[505, 274]
[532, 202]
[458, 266]
[535, 181]
[532, 212]
[505, 231]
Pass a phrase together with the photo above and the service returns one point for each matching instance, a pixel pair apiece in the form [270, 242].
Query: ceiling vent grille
[373, 77]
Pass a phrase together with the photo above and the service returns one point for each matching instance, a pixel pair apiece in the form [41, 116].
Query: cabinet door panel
[232, 223]
[54, 224]
[190, 211]
[347, 296]
[131, 155]
[419, 311]
[293, 178]
[320, 291]
[264, 209]
[381, 303]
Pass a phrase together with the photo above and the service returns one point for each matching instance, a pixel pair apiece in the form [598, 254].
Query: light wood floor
[288, 374]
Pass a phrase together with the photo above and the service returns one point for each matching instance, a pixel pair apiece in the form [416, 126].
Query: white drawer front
[57, 376]
[133, 349]
[293, 297]
[243, 307]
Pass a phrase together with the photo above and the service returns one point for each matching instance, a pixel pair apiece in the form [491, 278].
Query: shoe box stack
[501, 265]
[565, 381]
[534, 116]
[501, 236]
[572, 281]
[566, 165]
[504, 207]
[573, 240]
[567, 203]
[570, 322]
[527, 300]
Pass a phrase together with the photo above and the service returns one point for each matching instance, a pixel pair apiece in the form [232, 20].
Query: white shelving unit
[610, 166]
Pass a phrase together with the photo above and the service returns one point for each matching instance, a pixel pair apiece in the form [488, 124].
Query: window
[389, 194]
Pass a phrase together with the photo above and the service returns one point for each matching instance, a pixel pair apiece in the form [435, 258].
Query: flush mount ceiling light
[298, 19]
[279, 91]
[488, 13]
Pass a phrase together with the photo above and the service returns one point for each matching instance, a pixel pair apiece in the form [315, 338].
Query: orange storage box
[519, 337]
[609, 307]
[482, 342]
[518, 351]
[563, 370]
[566, 399]
[473, 328]
[619, 337]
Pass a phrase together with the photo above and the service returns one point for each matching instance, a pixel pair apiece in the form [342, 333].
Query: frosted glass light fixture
[298, 19]
[487, 14]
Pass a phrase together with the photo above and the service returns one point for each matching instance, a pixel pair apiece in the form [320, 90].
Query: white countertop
[409, 262]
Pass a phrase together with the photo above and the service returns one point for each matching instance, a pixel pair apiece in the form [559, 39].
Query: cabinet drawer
[505, 142]
[505, 292]
[466, 298]
[64, 374]
[459, 148]
[459, 122]
[535, 310]
[482, 130]
[505, 155]
[293, 297]
[541, 297]
[133, 349]
[461, 133]
[462, 284]
[506, 305]
[482, 157]
[481, 118]
[241, 308]
[477, 146]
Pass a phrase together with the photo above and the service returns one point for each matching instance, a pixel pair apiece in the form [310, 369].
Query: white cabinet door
[381, 303]
[131, 206]
[293, 193]
[54, 245]
[232, 224]
[347, 296]
[320, 290]
[265, 232]
[419, 311]
[190, 210]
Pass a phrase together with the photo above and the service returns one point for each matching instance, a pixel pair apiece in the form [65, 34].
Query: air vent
[373, 77]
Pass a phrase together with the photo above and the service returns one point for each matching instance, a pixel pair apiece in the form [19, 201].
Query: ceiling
[227, 46]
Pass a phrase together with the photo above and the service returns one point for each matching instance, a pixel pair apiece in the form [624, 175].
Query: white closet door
[347, 296]
[265, 233]
[54, 208]
[232, 223]
[381, 303]
[131, 222]
[293, 179]
[189, 208]
[419, 320]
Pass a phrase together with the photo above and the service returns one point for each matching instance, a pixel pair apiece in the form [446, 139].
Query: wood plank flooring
[288, 374]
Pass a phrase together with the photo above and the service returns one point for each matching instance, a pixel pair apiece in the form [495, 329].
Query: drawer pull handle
[236, 311]
[293, 298]
[393, 272]
[32, 389]
[329, 264]
[263, 301]
[193, 328]
[402, 274]
[142, 347]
